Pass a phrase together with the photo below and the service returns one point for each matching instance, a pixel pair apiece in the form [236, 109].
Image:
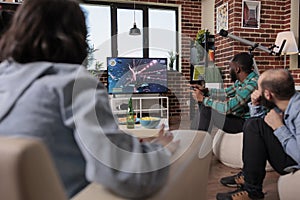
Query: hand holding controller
[202, 89]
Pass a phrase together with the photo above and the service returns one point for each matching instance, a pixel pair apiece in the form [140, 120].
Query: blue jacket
[289, 134]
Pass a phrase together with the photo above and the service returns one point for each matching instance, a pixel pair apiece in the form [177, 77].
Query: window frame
[145, 8]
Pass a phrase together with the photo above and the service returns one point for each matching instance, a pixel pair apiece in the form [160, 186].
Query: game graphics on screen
[137, 75]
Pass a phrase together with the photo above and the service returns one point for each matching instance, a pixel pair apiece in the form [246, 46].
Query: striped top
[234, 99]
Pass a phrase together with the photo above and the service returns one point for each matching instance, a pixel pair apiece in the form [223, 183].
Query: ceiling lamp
[134, 30]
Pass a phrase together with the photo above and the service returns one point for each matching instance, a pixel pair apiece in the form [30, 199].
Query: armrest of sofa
[95, 191]
[288, 186]
[188, 176]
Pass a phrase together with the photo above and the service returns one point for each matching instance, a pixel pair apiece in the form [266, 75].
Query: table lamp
[290, 46]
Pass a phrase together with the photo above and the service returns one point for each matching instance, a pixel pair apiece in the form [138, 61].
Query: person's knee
[252, 124]
[205, 111]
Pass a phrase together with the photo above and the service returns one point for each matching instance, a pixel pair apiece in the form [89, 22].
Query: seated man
[275, 137]
[227, 108]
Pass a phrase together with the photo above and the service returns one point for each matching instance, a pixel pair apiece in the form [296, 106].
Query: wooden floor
[218, 170]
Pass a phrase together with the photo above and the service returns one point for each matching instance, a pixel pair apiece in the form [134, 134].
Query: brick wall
[275, 17]
[296, 75]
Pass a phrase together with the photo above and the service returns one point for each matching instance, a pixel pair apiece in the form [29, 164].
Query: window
[109, 24]
[129, 46]
[99, 33]
[162, 33]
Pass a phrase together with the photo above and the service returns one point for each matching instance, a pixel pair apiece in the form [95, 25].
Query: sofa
[28, 173]
[188, 172]
[288, 186]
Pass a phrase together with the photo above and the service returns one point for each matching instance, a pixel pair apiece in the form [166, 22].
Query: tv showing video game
[136, 75]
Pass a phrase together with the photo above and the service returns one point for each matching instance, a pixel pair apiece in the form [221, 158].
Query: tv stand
[157, 106]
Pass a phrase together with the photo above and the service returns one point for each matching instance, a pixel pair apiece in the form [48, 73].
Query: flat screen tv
[136, 75]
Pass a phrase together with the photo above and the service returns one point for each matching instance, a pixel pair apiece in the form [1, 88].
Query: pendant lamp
[134, 30]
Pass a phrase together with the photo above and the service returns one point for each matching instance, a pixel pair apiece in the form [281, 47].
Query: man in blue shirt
[274, 137]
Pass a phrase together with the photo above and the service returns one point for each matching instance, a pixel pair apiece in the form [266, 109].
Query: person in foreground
[274, 137]
[227, 108]
[47, 94]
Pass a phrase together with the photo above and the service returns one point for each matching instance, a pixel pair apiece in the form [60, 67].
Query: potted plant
[172, 58]
[200, 41]
[92, 64]
[201, 35]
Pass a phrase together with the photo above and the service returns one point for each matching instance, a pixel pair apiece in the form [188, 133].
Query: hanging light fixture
[134, 30]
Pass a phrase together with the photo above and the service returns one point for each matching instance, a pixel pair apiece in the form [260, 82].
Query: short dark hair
[245, 61]
[46, 30]
[280, 82]
[5, 20]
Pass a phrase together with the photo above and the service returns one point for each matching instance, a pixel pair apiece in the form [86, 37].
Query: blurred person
[47, 94]
[274, 137]
[227, 108]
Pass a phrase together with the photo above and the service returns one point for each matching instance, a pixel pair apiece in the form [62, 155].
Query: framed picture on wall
[222, 17]
[251, 14]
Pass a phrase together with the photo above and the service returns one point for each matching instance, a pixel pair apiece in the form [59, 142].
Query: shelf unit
[208, 45]
[203, 53]
[143, 106]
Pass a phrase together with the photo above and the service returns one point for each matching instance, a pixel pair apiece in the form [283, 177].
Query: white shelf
[142, 132]
[153, 105]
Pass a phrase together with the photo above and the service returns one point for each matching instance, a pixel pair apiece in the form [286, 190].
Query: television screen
[136, 75]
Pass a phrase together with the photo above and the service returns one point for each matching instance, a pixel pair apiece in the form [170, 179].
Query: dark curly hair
[46, 30]
[245, 60]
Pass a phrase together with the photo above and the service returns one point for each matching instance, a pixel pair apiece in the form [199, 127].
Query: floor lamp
[290, 46]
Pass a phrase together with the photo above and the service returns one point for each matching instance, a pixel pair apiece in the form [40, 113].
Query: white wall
[208, 15]
[295, 28]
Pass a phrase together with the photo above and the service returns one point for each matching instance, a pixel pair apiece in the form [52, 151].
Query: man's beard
[233, 76]
[266, 103]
